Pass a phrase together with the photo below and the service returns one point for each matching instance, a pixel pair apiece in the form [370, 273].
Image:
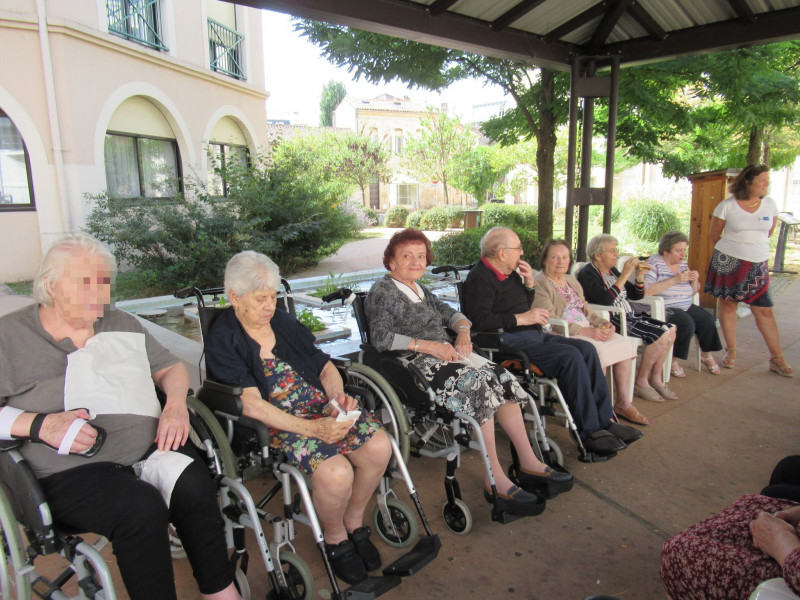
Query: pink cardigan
[548, 297]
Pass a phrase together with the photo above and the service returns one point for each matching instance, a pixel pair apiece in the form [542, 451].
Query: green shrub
[436, 219]
[511, 216]
[456, 216]
[396, 216]
[372, 216]
[649, 220]
[415, 219]
[463, 247]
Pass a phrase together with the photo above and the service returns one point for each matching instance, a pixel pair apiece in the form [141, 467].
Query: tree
[433, 155]
[360, 160]
[540, 94]
[333, 93]
[714, 111]
[479, 171]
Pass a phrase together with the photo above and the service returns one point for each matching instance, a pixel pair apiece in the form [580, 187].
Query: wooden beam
[607, 24]
[575, 22]
[742, 9]
[647, 21]
[513, 14]
[438, 7]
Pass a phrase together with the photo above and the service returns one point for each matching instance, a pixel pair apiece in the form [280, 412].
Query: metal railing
[136, 20]
[225, 49]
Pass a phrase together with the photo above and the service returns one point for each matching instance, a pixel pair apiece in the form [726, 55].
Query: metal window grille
[136, 20]
[225, 49]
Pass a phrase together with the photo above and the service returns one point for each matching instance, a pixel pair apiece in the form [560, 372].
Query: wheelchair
[251, 456]
[436, 431]
[550, 400]
[24, 509]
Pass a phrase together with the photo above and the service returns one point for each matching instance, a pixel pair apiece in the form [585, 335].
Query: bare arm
[173, 425]
[717, 225]
[774, 223]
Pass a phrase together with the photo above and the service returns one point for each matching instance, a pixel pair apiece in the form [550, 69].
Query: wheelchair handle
[340, 294]
[447, 268]
[186, 292]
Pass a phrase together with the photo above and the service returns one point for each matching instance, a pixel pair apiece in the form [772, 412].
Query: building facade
[119, 96]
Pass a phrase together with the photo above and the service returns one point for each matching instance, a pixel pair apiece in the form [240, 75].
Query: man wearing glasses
[497, 294]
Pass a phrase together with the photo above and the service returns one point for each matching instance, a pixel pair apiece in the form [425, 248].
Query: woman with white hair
[75, 371]
[291, 385]
[604, 284]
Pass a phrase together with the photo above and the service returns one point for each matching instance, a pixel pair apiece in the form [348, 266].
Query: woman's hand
[463, 344]
[791, 515]
[173, 426]
[774, 536]
[440, 350]
[630, 265]
[596, 333]
[693, 275]
[347, 403]
[55, 426]
[329, 430]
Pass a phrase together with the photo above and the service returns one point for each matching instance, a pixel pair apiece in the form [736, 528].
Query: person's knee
[145, 514]
[379, 449]
[334, 475]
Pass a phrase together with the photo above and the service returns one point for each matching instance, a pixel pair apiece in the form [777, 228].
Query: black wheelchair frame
[393, 521]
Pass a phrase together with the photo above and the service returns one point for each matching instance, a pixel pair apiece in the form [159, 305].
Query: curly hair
[669, 239]
[740, 187]
[407, 236]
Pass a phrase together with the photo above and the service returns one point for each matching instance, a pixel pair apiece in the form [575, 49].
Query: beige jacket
[548, 297]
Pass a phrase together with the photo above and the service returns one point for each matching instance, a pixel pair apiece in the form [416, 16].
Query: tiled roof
[386, 103]
[291, 131]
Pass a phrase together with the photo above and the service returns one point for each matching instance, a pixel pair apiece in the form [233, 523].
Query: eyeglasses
[517, 248]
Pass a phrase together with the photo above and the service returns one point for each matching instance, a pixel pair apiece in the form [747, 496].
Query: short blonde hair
[52, 266]
[249, 271]
[596, 245]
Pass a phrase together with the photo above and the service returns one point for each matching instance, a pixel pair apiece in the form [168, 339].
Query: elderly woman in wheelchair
[295, 389]
[76, 387]
[404, 315]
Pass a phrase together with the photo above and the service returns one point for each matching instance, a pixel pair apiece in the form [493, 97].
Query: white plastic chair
[773, 589]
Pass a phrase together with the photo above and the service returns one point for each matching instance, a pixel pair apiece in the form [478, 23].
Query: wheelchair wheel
[457, 517]
[217, 435]
[12, 557]
[384, 402]
[175, 544]
[298, 578]
[403, 521]
[440, 438]
[241, 583]
[550, 457]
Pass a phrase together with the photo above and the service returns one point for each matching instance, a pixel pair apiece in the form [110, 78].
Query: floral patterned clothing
[476, 392]
[292, 394]
[716, 559]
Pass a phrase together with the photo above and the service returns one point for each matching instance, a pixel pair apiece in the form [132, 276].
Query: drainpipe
[52, 113]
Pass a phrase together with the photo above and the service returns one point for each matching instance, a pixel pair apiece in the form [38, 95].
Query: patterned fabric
[735, 279]
[621, 300]
[290, 393]
[675, 296]
[716, 559]
[476, 392]
[573, 312]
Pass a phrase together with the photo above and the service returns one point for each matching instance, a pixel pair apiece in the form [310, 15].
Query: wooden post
[708, 190]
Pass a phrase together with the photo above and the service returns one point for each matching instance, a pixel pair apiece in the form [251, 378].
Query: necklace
[413, 289]
[752, 204]
[563, 289]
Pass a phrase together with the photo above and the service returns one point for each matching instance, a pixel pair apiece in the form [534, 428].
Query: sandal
[647, 393]
[783, 369]
[665, 392]
[730, 358]
[631, 415]
[677, 370]
[710, 364]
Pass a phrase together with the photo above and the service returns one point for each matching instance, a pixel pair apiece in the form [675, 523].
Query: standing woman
[740, 228]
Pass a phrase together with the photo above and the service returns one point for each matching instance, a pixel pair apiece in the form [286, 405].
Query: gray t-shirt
[32, 371]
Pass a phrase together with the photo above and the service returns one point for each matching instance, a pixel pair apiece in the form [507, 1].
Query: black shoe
[365, 549]
[346, 563]
[603, 442]
[515, 501]
[558, 480]
[626, 433]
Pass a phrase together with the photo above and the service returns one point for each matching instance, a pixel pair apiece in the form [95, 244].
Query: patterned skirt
[477, 392]
[292, 394]
[641, 325]
[716, 559]
[735, 279]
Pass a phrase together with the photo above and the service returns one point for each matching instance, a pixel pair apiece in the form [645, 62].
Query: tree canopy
[333, 93]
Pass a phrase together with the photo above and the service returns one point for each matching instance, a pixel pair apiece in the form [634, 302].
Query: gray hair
[493, 240]
[52, 266]
[249, 271]
[669, 239]
[597, 244]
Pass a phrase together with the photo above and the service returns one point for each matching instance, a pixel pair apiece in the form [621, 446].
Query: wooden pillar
[708, 190]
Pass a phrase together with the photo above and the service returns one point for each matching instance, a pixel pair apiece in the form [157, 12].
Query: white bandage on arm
[8, 414]
[70, 436]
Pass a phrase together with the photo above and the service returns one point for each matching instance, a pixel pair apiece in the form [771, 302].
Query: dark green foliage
[396, 216]
[649, 220]
[333, 93]
[440, 218]
[415, 219]
[463, 248]
[509, 215]
[312, 322]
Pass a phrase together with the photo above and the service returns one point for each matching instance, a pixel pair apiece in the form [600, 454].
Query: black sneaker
[626, 433]
[347, 565]
[365, 548]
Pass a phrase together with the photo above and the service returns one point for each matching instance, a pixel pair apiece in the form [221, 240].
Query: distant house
[393, 121]
[123, 96]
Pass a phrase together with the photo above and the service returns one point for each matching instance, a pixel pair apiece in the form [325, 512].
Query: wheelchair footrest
[426, 549]
[371, 587]
[592, 457]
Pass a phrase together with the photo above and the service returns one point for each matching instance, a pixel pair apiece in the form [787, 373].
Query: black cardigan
[491, 304]
[596, 292]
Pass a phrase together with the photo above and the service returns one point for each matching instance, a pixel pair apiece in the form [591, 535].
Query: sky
[296, 74]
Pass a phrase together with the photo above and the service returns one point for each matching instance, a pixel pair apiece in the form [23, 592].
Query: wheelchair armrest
[623, 321]
[220, 397]
[6, 445]
[261, 429]
[487, 339]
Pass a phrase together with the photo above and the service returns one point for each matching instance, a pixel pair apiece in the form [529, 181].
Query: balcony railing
[136, 20]
[225, 49]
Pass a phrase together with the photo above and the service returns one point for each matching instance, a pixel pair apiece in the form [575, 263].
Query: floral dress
[292, 394]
